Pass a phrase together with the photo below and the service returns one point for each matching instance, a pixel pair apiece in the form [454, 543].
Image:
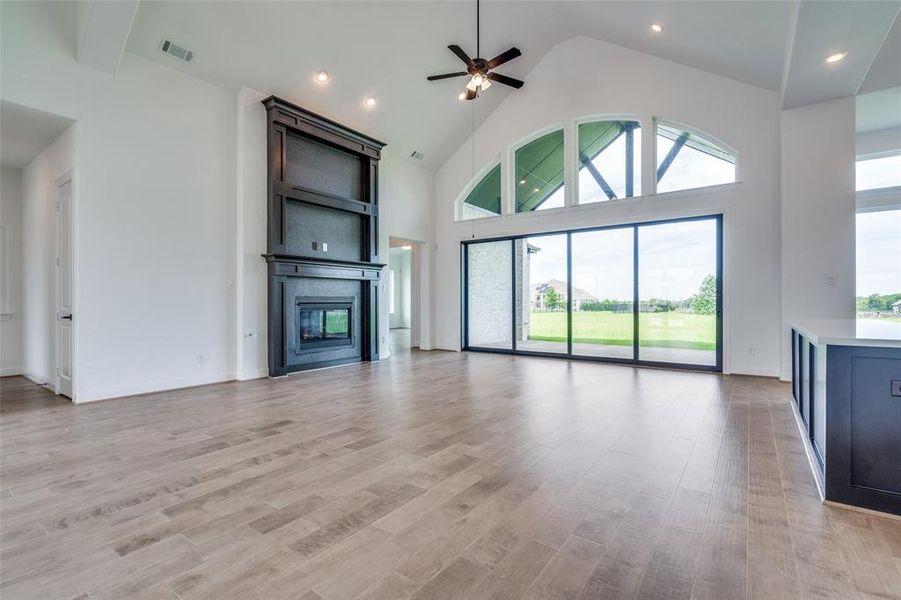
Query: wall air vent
[172, 49]
[417, 155]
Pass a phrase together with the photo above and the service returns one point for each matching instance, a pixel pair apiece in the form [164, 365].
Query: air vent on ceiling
[417, 155]
[172, 49]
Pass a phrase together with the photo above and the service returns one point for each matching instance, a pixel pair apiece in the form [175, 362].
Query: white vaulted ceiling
[386, 48]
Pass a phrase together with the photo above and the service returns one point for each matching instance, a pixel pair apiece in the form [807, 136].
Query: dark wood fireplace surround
[322, 239]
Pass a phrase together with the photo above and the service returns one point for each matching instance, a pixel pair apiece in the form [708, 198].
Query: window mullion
[648, 156]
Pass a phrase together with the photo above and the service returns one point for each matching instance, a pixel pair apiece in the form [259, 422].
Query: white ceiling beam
[885, 72]
[825, 28]
[103, 30]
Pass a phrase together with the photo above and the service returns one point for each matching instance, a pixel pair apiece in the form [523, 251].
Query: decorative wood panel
[322, 225]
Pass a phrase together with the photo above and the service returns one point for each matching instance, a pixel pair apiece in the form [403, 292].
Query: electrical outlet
[831, 280]
[896, 388]
[202, 358]
[752, 351]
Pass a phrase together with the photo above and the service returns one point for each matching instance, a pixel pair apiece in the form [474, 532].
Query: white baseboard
[38, 379]
[252, 374]
[123, 391]
[752, 371]
[9, 371]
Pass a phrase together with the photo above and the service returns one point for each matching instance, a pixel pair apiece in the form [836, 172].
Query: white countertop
[850, 332]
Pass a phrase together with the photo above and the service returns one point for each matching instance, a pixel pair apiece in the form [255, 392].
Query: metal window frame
[635, 360]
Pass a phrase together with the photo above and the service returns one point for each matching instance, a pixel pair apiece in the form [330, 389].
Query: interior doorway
[64, 286]
[37, 286]
[403, 296]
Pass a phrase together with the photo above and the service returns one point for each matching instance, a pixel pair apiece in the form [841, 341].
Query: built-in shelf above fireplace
[322, 242]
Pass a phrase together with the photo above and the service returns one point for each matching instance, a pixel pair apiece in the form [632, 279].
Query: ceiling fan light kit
[481, 70]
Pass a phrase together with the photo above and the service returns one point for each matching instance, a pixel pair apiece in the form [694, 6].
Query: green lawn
[889, 318]
[661, 330]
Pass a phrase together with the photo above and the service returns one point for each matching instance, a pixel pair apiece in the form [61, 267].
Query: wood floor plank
[430, 475]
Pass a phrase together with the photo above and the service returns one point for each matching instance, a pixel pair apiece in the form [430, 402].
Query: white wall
[11, 356]
[250, 237]
[406, 203]
[818, 271]
[39, 227]
[154, 218]
[561, 87]
[399, 262]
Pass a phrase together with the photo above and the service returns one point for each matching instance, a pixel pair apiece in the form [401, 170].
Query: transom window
[485, 198]
[686, 160]
[605, 162]
[877, 173]
[539, 173]
[609, 160]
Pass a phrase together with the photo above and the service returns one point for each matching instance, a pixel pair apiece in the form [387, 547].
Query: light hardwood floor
[429, 475]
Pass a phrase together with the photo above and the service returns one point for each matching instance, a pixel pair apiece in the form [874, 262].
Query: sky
[673, 260]
[676, 257]
[879, 252]
[878, 172]
[690, 169]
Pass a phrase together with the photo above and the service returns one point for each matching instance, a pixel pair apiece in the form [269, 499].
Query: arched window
[538, 166]
[686, 160]
[484, 200]
[609, 160]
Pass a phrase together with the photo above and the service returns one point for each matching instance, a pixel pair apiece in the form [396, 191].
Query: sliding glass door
[489, 305]
[541, 292]
[603, 288]
[648, 293]
[677, 292]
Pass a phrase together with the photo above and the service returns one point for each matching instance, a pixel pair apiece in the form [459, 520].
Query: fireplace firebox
[324, 322]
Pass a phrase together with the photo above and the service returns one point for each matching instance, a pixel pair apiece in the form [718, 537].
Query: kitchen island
[846, 383]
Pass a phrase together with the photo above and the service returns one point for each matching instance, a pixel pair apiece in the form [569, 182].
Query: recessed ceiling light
[322, 76]
[369, 102]
[656, 28]
[837, 57]
[535, 191]
[522, 182]
[461, 96]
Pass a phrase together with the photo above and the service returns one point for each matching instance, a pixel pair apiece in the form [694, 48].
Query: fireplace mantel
[322, 234]
[302, 266]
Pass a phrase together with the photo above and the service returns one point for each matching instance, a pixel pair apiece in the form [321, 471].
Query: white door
[64, 290]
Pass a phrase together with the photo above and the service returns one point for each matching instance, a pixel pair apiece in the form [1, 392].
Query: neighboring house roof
[898, 303]
[578, 293]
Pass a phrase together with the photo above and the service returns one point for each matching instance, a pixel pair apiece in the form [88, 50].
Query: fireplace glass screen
[324, 322]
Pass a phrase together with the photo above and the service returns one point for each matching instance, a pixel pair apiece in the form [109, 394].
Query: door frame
[66, 177]
[717, 217]
[419, 294]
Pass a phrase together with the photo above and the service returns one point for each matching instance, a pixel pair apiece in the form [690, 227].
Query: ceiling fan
[482, 70]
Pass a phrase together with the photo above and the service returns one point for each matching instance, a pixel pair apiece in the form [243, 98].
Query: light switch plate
[896, 387]
[325, 246]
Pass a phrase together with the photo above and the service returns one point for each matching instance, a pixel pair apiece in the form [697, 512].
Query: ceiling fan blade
[514, 83]
[460, 54]
[504, 57]
[470, 94]
[446, 76]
